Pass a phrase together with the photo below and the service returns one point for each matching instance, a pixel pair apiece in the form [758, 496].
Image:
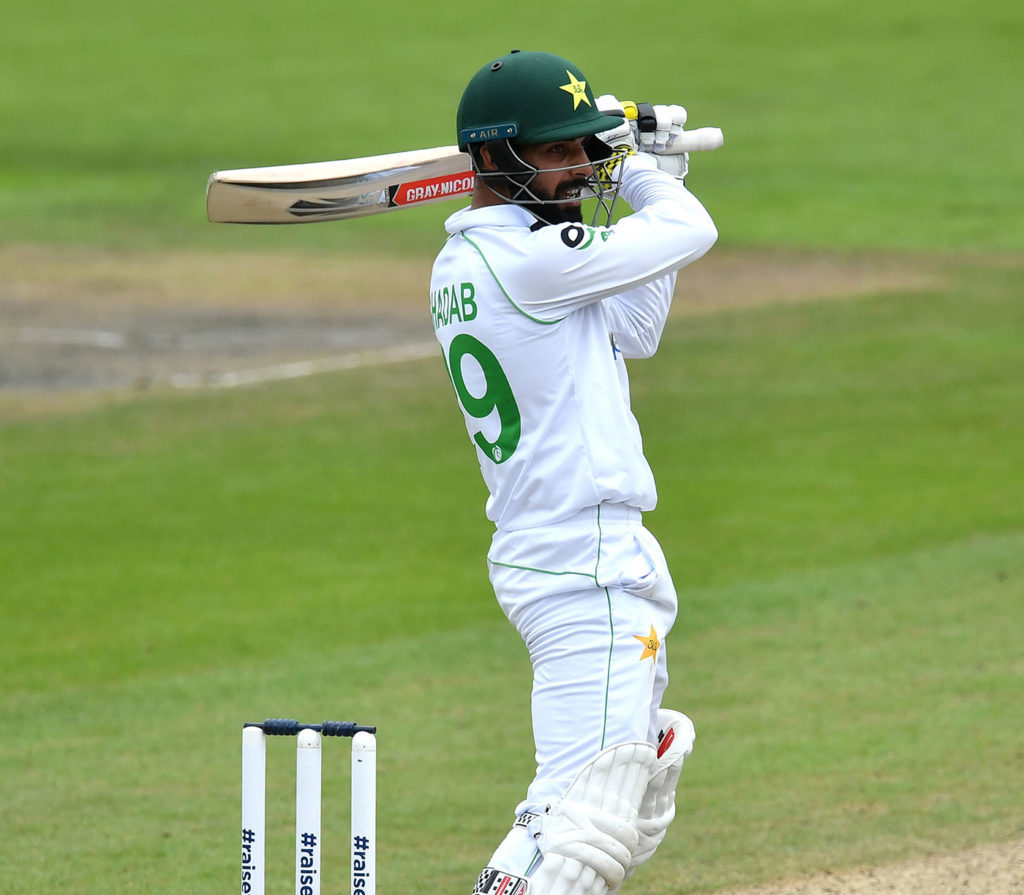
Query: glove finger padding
[663, 119]
[668, 122]
[589, 836]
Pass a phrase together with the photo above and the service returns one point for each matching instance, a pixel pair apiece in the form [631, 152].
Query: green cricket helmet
[529, 97]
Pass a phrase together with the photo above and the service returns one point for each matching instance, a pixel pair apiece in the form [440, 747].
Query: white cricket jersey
[535, 325]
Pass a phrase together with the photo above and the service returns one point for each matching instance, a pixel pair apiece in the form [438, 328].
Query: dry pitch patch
[985, 870]
[77, 321]
[80, 320]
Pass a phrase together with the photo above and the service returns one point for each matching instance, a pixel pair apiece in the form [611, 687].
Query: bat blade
[330, 191]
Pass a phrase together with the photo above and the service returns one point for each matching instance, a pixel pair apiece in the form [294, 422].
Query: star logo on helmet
[576, 89]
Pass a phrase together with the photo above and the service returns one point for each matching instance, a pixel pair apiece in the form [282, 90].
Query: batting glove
[677, 165]
[621, 140]
[657, 125]
[625, 135]
[658, 128]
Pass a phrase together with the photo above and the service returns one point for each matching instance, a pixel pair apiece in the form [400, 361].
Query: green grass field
[842, 504]
[848, 124]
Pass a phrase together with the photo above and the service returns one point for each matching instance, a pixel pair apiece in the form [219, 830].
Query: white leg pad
[658, 806]
[589, 835]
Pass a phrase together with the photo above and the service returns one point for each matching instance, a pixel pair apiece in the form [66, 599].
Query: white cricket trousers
[593, 600]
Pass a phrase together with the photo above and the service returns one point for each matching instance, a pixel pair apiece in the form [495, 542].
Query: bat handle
[700, 139]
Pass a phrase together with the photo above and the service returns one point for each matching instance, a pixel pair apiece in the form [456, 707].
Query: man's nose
[580, 159]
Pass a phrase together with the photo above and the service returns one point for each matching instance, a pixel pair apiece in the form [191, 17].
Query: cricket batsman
[536, 313]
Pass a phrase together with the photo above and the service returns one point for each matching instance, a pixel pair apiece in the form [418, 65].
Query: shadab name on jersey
[453, 304]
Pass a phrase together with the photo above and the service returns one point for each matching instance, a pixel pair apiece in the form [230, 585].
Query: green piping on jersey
[509, 565]
[490, 270]
[608, 670]
[591, 575]
[611, 630]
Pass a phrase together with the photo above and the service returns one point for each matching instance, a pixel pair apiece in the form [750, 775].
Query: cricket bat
[350, 188]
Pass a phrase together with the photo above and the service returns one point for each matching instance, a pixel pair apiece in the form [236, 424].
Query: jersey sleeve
[565, 267]
[637, 318]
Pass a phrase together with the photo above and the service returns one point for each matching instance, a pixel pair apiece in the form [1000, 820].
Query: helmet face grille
[514, 182]
[530, 97]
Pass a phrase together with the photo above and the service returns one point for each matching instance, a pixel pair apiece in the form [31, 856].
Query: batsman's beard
[515, 180]
[565, 206]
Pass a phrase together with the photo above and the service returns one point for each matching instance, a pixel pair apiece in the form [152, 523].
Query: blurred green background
[842, 504]
[872, 124]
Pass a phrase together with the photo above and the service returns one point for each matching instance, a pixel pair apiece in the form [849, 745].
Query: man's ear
[485, 160]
